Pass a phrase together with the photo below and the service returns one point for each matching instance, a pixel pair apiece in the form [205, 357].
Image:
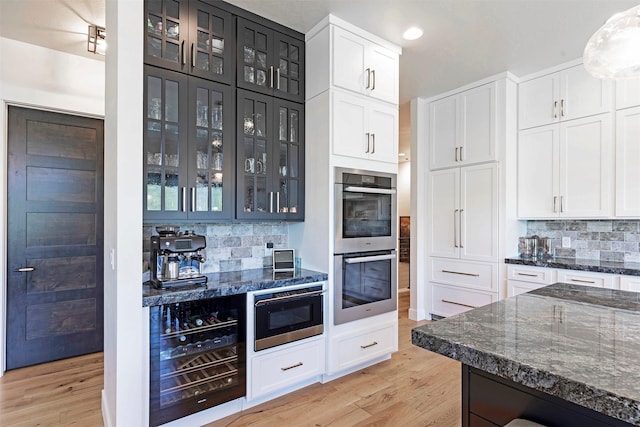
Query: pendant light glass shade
[613, 52]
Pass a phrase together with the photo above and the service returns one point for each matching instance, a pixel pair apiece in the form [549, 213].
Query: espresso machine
[176, 258]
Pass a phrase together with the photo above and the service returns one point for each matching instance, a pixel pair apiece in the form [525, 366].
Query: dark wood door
[55, 236]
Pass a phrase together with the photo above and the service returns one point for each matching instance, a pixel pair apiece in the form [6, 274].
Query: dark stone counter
[626, 268]
[230, 283]
[578, 343]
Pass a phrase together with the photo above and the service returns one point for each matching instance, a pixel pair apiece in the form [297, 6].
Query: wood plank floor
[413, 388]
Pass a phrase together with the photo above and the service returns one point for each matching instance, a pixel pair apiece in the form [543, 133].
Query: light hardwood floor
[414, 388]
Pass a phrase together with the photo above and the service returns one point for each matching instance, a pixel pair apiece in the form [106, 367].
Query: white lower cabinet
[630, 283]
[522, 278]
[452, 300]
[361, 346]
[587, 278]
[479, 275]
[284, 368]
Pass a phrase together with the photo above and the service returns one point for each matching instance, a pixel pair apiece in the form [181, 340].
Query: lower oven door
[287, 316]
[366, 284]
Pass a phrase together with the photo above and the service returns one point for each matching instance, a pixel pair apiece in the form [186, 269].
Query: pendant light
[613, 52]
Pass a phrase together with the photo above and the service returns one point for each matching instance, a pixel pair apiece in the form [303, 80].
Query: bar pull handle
[368, 142]
[456, 156]
[562, 108]
[373, 74]
[591, 282]
[193, 56]
[193, 199]
[527, 274]
[555, 199]
[277, 201]
[271, 77]
[561, 203]
[373, 143]
[369, 345]
[455, 229]
[297, 365]
[24, 269]
[184, 54]
[271, 202]
[461, 159]
[368, 70]
[461, 273]
[183, 199]
[460, 228]
[278, 78]
[555, 109]
[458, 303]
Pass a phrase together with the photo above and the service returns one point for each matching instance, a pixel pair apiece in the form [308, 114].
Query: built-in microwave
[365, 211]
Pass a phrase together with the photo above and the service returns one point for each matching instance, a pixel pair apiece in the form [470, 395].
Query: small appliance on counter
[176, 258]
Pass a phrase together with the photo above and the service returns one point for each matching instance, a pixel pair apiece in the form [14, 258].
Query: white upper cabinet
[569, 94]
[364, 67]
[463, 220]
[627, 93]
[364, 128]
[627, 161]
[565, 170]
[462, 128]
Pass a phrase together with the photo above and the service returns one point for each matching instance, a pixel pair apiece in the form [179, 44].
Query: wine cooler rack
[197, 356]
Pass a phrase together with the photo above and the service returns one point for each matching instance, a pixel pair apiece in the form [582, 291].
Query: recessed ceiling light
[412, 33]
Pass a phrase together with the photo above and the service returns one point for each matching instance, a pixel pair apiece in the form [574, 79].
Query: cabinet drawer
[448, 301]
[517, 287]
[600, 280]
[356, 349]
[286, 367]
[523, 273]
[630, 283]
[476, 275]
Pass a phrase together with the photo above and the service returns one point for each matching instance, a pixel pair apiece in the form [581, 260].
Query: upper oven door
[366, 211]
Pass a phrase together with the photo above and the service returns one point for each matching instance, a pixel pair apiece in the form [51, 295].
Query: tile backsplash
[232, 247]
[605, 240]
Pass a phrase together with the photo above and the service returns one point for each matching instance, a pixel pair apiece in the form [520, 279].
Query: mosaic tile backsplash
[233, 247]
[606, 240]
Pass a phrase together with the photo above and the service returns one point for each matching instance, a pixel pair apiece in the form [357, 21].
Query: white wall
[404, 188]
[41, 78]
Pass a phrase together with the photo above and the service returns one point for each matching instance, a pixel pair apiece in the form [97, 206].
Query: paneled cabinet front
[191, 37]
[188, 147]
[269, 62]
[270, 164]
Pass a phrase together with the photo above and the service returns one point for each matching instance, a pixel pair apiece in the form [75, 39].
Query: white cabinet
[627, 161]
[451, 300]
[522, 278]
[627, 93]
[463, 220]
[480, 275]
[569, 94]
[365, 67]
[564, 170]
[364, 128]
[462, 128]
[283, 369]
[630, 283]
[586, 278]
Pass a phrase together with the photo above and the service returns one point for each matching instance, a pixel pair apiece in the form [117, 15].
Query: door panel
[444, 209]
[55, 234]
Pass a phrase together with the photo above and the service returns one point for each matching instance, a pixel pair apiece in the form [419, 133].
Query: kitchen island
[561, 355]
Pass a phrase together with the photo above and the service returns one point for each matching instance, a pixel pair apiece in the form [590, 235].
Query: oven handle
[288, 297]
[354, 189]
[356, 260]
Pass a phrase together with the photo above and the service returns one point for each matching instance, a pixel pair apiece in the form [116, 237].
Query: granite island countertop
[578, 343]
[230, 283]
[625, 268]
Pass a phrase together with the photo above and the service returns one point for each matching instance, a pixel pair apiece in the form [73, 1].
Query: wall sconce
[613, 52]
[96, 40]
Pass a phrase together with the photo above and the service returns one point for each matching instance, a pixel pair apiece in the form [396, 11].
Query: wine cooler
[197, 351]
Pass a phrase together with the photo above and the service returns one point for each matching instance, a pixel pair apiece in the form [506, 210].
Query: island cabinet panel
[490, 400]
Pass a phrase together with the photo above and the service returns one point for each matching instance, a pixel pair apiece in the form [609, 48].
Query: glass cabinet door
[166, 33]
[290, 158]
[254, 65]
[289, 79]
[211, 43]
[211, 140]
[165, 141]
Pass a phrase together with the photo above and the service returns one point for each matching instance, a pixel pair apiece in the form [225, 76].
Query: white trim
[491, 79]
[551, 70]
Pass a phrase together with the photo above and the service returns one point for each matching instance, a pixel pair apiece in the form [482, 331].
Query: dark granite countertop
[230, 283]
[578, 343]
[626, 268]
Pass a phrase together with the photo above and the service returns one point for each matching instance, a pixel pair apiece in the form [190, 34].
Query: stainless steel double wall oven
[365, 240]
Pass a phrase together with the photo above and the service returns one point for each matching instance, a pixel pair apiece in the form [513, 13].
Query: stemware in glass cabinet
[163, 38]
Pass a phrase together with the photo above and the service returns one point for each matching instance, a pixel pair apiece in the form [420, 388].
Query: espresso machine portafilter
[176, 258]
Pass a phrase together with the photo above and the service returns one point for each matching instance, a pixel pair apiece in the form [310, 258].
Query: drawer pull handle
[527, 274]
[458, 303]
[292, 366]
[369, 345]
[463, 274]
[582, 281]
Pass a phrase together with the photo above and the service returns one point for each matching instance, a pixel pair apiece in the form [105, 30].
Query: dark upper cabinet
[269, 62]
[191, 37]
[270, 158]
[188, 147]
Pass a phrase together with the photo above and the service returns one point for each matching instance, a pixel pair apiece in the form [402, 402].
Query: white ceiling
[464, 40]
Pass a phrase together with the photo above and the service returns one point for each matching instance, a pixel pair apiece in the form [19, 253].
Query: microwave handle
[356, 260]
[354, 189]
[288, 297]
